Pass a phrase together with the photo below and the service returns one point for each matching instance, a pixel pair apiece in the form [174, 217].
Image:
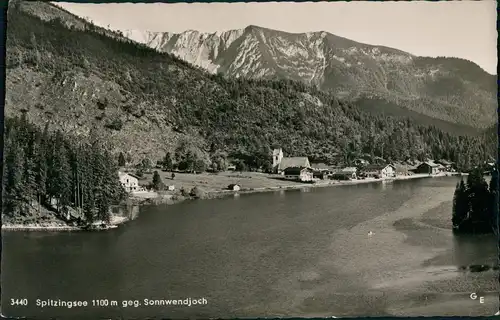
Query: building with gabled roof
[280, 163]
[129, 181]
[380, 170]
[303, 174]
[429, 167]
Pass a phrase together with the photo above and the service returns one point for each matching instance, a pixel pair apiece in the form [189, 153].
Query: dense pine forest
[241, 119]
[474, 204]
[47, 171]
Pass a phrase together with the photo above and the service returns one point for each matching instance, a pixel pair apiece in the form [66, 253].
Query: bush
[199, 166]
[102, 103]
[139, 173]
[241, 166]
[184, 192]
[198, 193]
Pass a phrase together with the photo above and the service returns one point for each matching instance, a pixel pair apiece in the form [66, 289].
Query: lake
[359, 250]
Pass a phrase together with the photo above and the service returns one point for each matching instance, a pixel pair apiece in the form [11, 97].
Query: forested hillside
[145, 103]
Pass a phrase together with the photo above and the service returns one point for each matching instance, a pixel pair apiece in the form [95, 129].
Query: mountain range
[382, 79]
[85, 80]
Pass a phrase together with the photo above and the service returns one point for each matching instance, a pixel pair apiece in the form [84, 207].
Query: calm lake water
[294, 253]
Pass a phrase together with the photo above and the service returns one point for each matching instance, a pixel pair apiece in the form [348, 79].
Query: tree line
[45, 170]
[475, 204]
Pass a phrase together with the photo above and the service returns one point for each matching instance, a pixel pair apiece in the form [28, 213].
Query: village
[287, 173]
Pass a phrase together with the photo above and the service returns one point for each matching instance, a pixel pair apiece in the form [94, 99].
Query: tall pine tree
[13, 178]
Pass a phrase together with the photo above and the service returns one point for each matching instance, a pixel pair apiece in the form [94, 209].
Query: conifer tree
[29, 168]
[13, 177]
[63, 179]
[157, 183]
[41, 169]
[168, 162]
[478, 197]
[87, 177]
[455, 219]
[461, 205]
[121, 160]
[98, 180]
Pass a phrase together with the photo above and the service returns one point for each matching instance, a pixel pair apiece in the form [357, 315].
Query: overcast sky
[464, 29]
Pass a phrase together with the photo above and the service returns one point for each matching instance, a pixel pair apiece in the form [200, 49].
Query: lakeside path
[213, 186]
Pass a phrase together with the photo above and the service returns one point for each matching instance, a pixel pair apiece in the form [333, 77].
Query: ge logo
[474, 296]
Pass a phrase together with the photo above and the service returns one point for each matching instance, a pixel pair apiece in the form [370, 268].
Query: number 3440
[18, 302]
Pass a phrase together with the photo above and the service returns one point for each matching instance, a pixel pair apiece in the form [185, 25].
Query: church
[280, 163]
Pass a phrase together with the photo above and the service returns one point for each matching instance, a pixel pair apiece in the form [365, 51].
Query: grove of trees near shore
[475, 204]
[51, 171]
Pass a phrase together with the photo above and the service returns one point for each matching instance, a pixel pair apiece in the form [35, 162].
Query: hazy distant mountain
[449, 89]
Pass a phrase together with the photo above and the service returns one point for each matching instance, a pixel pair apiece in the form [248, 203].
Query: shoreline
[326, 183]
[153, 198]
[58, 226]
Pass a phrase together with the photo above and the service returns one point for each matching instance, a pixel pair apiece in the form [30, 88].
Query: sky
[463, 29]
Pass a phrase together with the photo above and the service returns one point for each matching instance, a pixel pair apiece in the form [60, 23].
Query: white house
[234, 187]
[302, 174]
[129, 181]
[381, 171]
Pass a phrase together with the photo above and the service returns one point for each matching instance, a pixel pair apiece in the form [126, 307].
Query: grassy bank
[215, 185]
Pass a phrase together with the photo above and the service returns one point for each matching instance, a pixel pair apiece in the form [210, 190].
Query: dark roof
[321, 165]
[445, 162]
[294, 170]
[375, 167]
[289, 162]
[129, 174]
[430, 164]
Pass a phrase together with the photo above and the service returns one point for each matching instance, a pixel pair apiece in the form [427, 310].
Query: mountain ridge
[450, 89]
[145, 103]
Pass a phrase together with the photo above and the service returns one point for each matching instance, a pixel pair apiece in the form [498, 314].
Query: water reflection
[466, 253]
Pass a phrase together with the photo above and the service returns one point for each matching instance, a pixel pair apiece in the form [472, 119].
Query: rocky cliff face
[449, 89]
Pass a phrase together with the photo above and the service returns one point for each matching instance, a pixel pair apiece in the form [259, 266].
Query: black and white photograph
[250, 160]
